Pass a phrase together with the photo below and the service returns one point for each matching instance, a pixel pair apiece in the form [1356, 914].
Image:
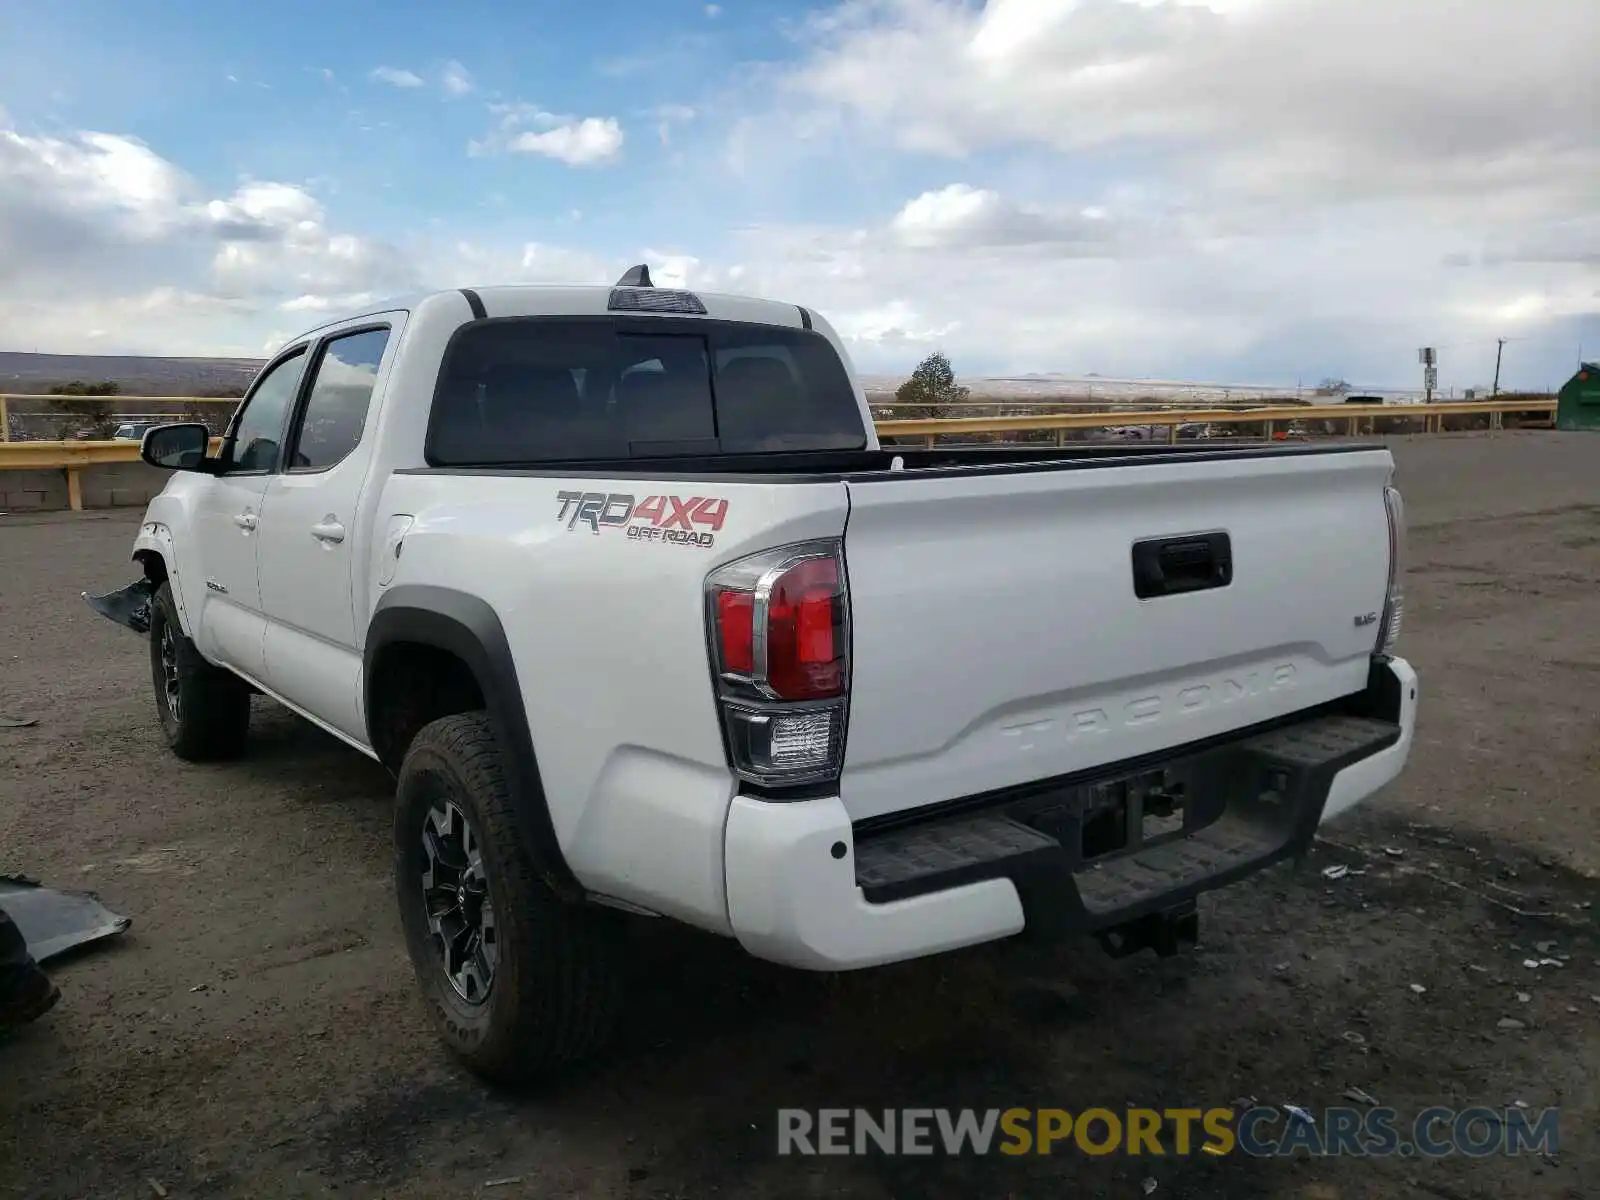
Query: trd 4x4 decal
[669, 519]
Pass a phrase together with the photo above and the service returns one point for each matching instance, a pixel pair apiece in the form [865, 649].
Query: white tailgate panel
[997, 638]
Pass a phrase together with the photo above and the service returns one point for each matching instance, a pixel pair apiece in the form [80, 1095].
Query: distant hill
[34, 374]
[137, 376]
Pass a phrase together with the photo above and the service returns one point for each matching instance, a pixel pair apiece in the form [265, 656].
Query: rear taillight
[1394, 598]
[778, 624]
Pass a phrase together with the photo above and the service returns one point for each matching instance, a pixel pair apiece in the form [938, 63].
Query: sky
[1245, 191]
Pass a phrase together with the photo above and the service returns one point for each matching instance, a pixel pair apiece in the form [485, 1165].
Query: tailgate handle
[1172, 566]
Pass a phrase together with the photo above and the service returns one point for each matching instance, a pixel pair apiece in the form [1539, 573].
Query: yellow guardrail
[73, 457]
[1432, 416]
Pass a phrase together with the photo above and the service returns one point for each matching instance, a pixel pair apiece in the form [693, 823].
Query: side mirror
[176, 447]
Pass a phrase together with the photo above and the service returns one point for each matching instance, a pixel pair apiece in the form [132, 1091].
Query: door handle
[328, 530]
[245, 520]
[1174, 565]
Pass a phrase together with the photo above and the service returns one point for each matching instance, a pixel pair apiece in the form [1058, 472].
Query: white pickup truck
[619, 584]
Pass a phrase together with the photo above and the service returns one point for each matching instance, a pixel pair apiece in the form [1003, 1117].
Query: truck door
[312, 543]
[229, 626]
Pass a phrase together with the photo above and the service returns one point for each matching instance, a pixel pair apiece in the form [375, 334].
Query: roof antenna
[635, 277]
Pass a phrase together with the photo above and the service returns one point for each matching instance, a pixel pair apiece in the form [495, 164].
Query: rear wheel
[519, 982]
[204, 710]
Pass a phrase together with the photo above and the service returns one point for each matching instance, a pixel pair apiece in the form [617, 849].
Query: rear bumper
[807, 888]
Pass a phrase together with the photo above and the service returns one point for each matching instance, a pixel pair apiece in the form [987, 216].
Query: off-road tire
[211, 717]
[554, 994]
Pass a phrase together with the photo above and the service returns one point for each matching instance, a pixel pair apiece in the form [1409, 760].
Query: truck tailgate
[998, 637]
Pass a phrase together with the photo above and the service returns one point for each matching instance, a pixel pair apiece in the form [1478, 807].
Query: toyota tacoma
[620, 585]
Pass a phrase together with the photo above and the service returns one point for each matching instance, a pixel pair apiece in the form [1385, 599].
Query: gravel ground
[257, 1032]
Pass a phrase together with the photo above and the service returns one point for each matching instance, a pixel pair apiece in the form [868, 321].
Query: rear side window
[540, 389]
[335, 411]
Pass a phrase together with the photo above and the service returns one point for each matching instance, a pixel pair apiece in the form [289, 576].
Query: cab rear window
[529, 390]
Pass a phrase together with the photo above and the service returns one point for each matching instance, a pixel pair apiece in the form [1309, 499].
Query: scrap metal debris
[1337, 871]
[1516, 910]
[53, 922]
[1361, 1097]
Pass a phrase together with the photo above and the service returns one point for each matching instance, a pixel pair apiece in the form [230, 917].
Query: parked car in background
[133, 431]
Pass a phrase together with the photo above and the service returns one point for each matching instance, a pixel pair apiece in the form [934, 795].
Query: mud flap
[129, 608]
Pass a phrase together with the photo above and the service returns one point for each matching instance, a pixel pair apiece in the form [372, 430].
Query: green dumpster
[1578, 403]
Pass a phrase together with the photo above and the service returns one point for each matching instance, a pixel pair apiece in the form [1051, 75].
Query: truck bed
[1016, 614]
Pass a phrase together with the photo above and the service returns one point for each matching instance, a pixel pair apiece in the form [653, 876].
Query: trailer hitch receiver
[1165, 932]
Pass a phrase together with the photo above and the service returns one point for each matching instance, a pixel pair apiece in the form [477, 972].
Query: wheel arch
[412, 624]
[154, 565]
[155, 552]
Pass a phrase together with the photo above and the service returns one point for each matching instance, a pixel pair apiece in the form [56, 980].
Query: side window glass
[259, 425]
[341, 392]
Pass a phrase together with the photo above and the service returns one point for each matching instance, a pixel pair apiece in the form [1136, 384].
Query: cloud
[454, 80]
[1245, 190]
[1276, 98]
[586, 143]
[102, 232]
[106, 235]
[527, 129]
[713, 10]
[1227, 185]
[963, 216]
[396, 77]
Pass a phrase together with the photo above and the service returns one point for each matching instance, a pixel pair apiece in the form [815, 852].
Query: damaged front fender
[129, 608]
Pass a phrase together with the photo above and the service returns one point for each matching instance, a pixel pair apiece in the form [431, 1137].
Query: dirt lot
[257, 1033]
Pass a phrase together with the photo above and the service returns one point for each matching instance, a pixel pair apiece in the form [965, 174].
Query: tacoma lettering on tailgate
[671, 520]
[1148, 710]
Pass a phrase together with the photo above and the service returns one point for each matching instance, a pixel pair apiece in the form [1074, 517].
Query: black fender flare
[468, 628]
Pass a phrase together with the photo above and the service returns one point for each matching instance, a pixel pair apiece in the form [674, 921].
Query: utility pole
[1500, 345]
[1429, 359]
